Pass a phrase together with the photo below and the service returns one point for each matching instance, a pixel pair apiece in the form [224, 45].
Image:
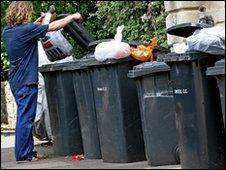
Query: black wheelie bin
[198, 108]
[117, 110]
[157, 112]
[64, 120]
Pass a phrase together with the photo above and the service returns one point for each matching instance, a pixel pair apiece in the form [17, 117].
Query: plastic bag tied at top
[113, 49]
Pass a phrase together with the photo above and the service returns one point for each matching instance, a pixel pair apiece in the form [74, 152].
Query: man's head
[19, 12]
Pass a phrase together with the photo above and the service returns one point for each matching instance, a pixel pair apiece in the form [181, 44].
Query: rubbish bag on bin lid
[144, 53]
[208, 40]
[114, 48]
[180, 48]
[54, 43]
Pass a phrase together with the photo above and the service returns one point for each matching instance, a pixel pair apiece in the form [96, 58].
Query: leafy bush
[132, 14]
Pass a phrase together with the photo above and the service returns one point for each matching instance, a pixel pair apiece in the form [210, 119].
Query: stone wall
[8, 105]
[4, 114]
[192, 11]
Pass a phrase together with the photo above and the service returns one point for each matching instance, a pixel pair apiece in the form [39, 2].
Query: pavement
[61, 162]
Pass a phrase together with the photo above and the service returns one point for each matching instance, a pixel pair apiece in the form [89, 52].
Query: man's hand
[77, 16]
[39, 20]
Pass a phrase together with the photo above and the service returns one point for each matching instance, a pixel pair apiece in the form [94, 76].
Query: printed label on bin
[101, 88]
[159, 94]
[180, 91]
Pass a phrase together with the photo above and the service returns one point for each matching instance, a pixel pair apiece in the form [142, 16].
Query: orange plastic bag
[143, 53]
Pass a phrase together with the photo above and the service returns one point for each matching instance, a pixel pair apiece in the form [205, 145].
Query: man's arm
[56, 25]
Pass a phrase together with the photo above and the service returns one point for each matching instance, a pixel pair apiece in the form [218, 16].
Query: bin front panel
[87, 113]
[117, 113]
[199, 115]
[63, 113]
[69, 119]
[50, 86]
[158, 119]
[131, 113]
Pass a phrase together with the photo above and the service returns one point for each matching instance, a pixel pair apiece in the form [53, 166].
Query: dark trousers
[26, 100]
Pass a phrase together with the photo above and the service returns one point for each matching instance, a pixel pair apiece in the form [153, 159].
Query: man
[20, 37]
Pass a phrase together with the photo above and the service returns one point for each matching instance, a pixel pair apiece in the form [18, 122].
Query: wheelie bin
[197, 104]
[198, 110]
[157, 112]
[117, 109]
[63, 112]
[218, 71]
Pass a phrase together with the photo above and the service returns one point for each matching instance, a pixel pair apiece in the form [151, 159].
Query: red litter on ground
[77, 157]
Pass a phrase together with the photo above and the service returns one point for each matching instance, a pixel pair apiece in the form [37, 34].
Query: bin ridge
[63, 112]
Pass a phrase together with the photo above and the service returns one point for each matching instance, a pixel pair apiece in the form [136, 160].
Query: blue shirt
[22, 47]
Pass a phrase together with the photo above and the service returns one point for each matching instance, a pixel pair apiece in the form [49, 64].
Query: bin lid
[79, 64]
[148, 68]
[186, 29]
[78, 32]
[218, 69]
[59, 66]
[50, 67]
[188, 56]
[91, 61]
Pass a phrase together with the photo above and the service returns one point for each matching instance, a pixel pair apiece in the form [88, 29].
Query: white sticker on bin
[165, 94]
[180, 91]
[101, 88]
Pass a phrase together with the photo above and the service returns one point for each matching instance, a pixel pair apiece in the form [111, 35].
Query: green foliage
[4, 63]
[101, 18]
[4, 56]
[129, 13]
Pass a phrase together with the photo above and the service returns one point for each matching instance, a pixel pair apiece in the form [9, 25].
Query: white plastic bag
[180, 48]
[113, 49]
[208, 40]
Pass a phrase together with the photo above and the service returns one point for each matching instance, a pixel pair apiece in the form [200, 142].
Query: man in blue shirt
[20, 37]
